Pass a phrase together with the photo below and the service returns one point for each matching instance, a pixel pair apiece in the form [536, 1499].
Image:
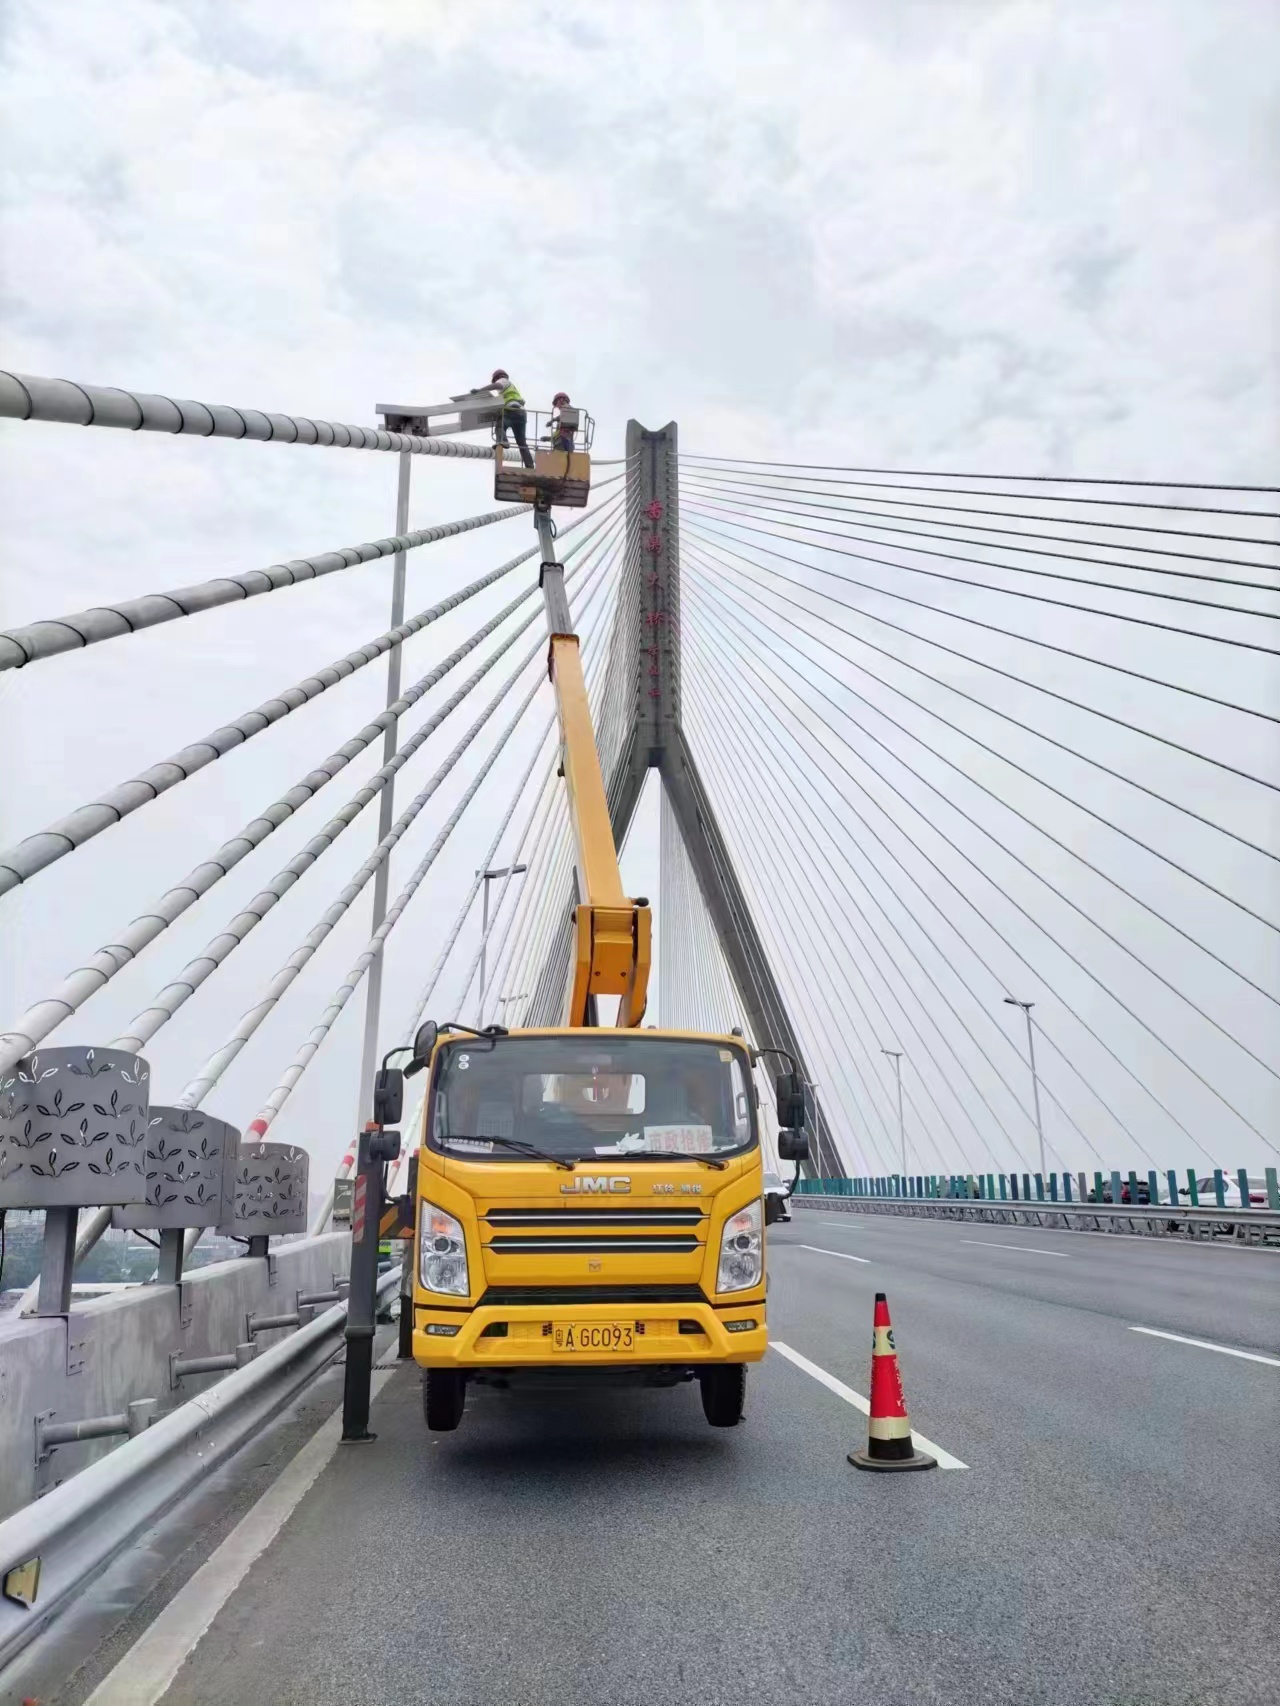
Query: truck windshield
[626, 1096]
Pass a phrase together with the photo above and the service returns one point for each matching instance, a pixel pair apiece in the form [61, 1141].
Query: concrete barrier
[116, 1350]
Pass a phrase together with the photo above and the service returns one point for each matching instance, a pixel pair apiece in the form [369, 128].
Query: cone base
[917, 1460]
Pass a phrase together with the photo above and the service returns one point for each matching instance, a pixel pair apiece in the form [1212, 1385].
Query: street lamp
[895, 1055]
[1026, 1006]
[489, 876]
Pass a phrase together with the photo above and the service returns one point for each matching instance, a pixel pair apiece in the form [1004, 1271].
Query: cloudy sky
[949, 233]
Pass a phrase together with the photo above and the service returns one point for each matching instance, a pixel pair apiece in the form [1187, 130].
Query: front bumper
[663, 1333]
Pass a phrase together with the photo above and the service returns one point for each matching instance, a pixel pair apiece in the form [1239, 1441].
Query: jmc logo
[597, 1184]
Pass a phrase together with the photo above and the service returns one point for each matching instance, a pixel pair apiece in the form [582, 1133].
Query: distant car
[1230, 1192]
[777, 1196]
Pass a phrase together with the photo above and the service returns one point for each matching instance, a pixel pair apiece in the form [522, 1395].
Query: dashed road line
[1205, 1345]
[1027, 1249]
[843, 1255]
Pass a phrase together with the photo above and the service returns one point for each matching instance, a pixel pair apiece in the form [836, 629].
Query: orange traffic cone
[889, 1443]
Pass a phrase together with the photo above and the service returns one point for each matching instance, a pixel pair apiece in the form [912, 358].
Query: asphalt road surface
[1112, 1539]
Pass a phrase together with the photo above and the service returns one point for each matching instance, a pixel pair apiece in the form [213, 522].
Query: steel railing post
[362, 1299]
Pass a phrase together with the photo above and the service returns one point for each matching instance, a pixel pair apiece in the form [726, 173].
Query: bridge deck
[1112, 1539]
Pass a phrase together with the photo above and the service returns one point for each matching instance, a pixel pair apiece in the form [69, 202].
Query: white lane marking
[1027, 1249]
[1204, 1345]
[819, 1251]
[146, 1671]
[945, 1459]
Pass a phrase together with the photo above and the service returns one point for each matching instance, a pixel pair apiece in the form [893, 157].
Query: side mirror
[424, 1043]
[388, 1096]
[790, 1100]
[772, 1208]
[384, 1146]
[793, 1146]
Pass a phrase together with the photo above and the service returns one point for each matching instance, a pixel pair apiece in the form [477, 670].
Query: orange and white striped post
[889, 1443]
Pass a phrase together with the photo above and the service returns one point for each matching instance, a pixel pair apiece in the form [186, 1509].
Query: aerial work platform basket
[558, 476]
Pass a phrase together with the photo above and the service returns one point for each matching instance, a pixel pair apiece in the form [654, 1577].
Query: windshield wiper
[515, 1143]
[666, 1155]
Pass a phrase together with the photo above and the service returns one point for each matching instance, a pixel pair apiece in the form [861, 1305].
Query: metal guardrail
[1248, 1225]
[75, 1531]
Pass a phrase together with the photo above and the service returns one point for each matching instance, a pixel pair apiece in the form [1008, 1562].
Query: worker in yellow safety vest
[513, 414]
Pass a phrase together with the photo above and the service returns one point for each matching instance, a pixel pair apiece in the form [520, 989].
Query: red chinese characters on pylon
[654, 510]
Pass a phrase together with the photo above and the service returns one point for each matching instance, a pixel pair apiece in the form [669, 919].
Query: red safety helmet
[560, 397]
[499, 373]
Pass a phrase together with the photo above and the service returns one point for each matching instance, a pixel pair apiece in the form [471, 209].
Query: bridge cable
[763, 763]
[720, 563]
[762, 980]
[829, 1055]
[968, 944]
[222, 1057]
[745, 498]
[863, 1142]
[53, 635]
[1005, 591]
[1020, 479]
[791, 608]
[918, 848]
[37, 852]
[1012, 634]
[1230, 1035]
[1040, 927]
[29, 397]
[933, 943]
[85, 982]
[799, 492]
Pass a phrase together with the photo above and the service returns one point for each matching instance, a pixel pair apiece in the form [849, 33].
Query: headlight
[442, 1252]
[741, 1250]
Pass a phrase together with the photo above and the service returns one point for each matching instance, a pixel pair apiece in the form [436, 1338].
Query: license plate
[594, 1336]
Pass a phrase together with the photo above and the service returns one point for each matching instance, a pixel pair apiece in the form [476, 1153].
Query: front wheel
[444, 1393]
[724, 1392]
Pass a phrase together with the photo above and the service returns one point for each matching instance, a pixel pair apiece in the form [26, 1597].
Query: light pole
[1026, 1007]
[373, 984]
[506, 870]
[895, 1055]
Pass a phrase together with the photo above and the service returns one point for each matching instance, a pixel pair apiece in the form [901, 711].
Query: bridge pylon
[641, 729]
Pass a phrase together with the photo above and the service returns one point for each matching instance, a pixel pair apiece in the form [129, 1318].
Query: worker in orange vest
[561, 436]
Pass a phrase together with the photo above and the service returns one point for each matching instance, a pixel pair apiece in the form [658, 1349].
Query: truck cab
[589, 1205]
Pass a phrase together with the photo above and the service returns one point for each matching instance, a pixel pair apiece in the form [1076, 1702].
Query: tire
[724, 1392]
[444, 1393]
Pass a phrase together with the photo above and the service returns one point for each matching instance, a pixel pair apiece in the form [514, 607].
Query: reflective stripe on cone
[889, 1443]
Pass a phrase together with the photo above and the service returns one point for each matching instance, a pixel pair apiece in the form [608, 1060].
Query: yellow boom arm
[614, 934]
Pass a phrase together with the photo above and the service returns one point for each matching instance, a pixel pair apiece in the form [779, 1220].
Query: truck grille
[630, 1243]
[610, 1217]
[513, 1296]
